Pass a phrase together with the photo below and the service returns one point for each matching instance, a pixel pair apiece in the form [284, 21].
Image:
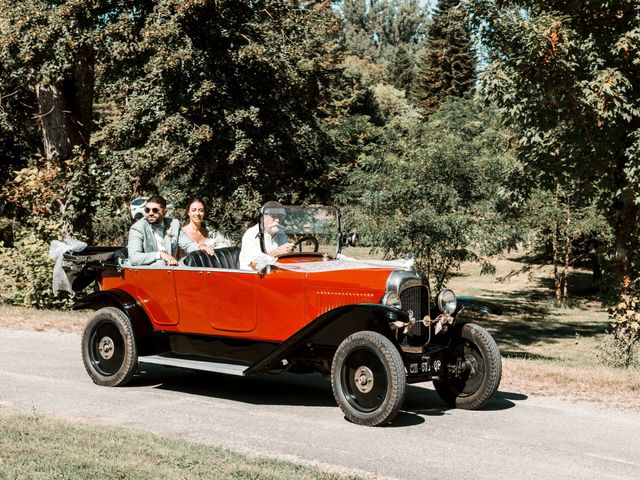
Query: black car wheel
[108, 348]
[473, 368]
[368, 378]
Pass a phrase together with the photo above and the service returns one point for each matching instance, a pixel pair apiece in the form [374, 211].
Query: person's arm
[135, 248]
[188, 245]
[250, 249]
[281, 250]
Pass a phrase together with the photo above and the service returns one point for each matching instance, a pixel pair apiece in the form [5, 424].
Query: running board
[227, 368]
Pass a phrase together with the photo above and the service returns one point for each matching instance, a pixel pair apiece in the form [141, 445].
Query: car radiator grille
[416, 299]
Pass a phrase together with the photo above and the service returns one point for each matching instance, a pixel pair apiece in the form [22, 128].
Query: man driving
[276, 242]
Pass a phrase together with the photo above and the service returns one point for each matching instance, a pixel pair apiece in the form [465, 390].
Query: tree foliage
[573, 233]
[429, 189]
[446, 66]
[567, 76]
[223, 101]
[388, 33]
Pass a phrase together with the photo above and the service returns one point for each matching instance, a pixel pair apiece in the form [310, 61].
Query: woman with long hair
[197, 230]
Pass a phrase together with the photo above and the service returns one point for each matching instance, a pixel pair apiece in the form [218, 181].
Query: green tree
[223, 100]
[554, 220]
[433, 189]
[446, 66]
[566, 76]
[400, 71]
[47, 56]
[387, 33]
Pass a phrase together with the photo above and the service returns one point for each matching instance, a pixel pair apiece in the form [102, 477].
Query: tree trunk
[65, 111]
[556, 261]
[624, 239]
[55, 134]
[565, 269]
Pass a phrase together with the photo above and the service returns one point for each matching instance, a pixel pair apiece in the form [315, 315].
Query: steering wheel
[307, 238]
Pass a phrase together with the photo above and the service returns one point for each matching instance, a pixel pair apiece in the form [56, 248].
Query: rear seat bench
[225, 257]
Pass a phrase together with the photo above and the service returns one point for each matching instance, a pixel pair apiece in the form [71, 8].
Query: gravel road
[296, 418]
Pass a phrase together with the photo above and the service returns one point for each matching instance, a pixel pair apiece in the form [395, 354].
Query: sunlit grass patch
[39, 448]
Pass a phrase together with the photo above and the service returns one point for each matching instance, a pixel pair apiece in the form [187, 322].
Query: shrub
[6, 232]
[619, 349]
[26, 273]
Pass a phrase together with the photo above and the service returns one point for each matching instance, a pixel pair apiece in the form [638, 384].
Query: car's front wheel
[108, 348]
[474, 369]
[368, 378]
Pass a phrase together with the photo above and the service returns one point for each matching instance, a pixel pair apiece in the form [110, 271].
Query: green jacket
[142, 245]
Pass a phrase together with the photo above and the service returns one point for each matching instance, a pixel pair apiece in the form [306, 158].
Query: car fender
[472, 303]
[332, 327]
[142, 328]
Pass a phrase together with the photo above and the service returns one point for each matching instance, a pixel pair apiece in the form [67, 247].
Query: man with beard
[275, 240]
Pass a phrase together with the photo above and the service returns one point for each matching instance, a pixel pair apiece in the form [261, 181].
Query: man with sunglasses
[276, 242]
[154, 240]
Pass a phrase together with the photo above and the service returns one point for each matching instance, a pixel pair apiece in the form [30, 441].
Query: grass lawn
[39, 448]
[547, 349]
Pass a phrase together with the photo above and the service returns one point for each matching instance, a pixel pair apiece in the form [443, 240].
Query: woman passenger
[197, 231]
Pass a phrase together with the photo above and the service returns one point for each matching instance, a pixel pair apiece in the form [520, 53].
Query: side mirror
[350, 240]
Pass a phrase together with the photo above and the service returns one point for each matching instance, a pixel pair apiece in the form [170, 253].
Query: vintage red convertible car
[370, 325]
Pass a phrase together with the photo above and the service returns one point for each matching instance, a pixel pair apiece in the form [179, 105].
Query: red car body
[371, 326]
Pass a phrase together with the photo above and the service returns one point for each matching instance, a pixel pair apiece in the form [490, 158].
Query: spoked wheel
[474, 369]
[108, 348]
[368, 378]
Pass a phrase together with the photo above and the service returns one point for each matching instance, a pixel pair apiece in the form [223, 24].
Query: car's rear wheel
[108, 348]
[368, 378]
[474, 369]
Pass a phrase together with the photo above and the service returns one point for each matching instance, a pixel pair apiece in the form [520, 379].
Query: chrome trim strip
[404, 279]
[226, 368]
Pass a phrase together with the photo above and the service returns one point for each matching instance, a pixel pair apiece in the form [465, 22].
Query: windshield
[315, 228]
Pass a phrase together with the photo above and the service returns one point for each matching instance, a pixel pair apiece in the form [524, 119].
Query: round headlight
[391, 299]
[446, 301]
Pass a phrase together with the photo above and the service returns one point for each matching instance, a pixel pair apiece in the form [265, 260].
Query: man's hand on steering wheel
[282, 249]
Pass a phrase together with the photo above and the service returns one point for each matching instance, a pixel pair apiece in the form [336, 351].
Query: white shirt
[251, 250]
[158, 231]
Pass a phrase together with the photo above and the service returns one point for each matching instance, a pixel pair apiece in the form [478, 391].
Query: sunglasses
[154, 210]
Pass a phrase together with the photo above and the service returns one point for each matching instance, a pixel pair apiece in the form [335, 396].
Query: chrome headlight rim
[446, 301]
[391, 299]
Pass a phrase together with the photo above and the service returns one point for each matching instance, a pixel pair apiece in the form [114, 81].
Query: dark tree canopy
[446, 67]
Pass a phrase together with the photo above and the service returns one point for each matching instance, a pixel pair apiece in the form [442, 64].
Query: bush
[616, 352]
[26, 274]
[6, 232]
[620, 348]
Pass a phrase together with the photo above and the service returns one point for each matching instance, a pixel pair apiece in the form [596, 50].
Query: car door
[281, 304]
[231, 299]
[156, 293]
[192, 297]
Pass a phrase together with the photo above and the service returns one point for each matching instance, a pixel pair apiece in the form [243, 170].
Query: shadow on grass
[529, 318]
[295, 390]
